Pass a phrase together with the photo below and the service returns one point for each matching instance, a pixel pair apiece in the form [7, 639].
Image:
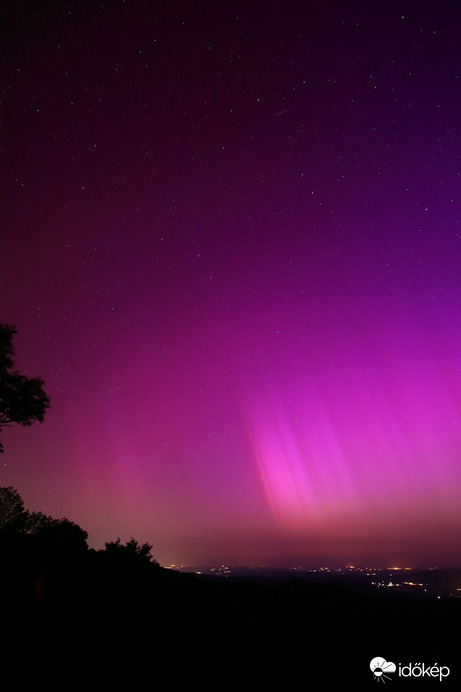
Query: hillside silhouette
[66, 602]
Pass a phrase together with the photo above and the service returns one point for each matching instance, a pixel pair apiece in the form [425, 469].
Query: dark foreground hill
[103, 620]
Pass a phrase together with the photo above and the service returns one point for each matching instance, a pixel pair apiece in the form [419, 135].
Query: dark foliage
[13, 516]
[56, 537]
[22, 399]
[131, 552]
[117, 611]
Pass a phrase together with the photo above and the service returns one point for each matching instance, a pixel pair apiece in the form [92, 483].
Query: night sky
[231, 246]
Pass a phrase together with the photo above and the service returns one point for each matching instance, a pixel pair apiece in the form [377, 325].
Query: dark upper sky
[231, 247]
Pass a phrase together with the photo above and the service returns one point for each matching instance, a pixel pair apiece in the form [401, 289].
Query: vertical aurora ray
[376, 436]
[284, 476]
[301, 464]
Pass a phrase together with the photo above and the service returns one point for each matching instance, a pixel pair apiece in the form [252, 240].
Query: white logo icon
[380, 667]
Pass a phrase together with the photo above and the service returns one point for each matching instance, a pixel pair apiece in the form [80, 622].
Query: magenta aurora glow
[231, 246]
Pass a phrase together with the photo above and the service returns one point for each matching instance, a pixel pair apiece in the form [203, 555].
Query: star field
[231, 248]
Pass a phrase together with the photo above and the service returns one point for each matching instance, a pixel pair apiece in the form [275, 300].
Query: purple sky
[231, 246]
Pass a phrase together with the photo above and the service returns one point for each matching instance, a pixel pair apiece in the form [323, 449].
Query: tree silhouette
[56, 535]
[22, 399]
[131, 552]
[13, 516]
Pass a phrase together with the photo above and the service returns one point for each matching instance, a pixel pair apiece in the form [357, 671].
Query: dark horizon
[370, 560]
